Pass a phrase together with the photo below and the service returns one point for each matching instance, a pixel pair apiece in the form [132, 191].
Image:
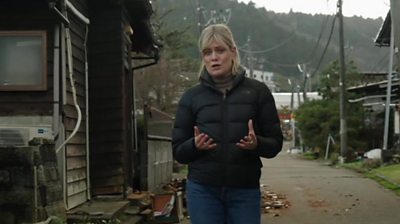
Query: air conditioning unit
[20, 136]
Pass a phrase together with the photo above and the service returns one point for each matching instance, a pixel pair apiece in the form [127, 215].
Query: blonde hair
[219, 33]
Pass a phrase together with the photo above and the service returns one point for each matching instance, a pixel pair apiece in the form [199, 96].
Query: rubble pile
[271, 201]
[177, 184]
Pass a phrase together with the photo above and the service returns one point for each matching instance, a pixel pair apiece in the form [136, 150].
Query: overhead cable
[269, 49]
[326, 47]
[323, 26]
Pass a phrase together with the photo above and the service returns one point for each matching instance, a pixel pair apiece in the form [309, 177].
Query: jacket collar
[205, 78]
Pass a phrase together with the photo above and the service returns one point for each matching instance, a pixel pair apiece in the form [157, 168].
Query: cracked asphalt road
[320, 194]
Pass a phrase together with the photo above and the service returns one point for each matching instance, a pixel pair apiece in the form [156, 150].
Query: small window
[23, 59]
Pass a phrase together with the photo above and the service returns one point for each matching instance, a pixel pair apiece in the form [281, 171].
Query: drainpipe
[86, 21]
[58, 126]
[76, 12]
[87, 115]
[56, 80]
[64, 16]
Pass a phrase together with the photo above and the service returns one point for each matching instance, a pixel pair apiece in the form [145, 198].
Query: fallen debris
[271, 201]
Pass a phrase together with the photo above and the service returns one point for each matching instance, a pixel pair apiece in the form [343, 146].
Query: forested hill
[276, 41]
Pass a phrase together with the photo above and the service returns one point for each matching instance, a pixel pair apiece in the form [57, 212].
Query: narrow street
[320, 194]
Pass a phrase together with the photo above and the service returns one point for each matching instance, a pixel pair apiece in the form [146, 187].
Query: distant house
[286, 99]
[66, 70]
[372, 92]
[263, 76]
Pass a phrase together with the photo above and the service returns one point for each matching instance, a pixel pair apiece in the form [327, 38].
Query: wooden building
[372, 92]
[66, 73]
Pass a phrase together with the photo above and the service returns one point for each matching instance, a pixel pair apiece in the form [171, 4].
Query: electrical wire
[269, 49]
[279, 64]
[326, 47]
[323, 26]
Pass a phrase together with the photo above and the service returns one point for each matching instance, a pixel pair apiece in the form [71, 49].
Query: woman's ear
[233, 49]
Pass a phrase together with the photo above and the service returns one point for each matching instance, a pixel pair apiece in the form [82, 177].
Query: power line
[279, 64]
[323, 26]
[326, 47]
[269, 49]
[206, 18]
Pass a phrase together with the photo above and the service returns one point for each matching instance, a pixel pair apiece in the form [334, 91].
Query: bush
[370, 164]
[334, 158]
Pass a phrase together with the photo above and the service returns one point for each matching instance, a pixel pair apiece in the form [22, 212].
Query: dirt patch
[318, 203]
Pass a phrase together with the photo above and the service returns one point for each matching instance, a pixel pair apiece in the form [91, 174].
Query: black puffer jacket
[225, 119]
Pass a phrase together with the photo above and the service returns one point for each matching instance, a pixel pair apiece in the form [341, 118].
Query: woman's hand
[249, 142]
[203, 141]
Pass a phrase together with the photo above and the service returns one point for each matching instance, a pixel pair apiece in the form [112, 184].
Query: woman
[222, 127]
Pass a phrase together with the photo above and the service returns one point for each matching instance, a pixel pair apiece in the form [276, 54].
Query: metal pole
[395, 17]
[292, 121]
[388, 90]
[250, 57]
[342, 85]
[200, 21]
[327, 147]
[304, 83]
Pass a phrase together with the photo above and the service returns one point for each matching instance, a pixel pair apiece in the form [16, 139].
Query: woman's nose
[214, 55]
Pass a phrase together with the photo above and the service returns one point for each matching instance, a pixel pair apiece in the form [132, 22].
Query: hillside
[278, 42]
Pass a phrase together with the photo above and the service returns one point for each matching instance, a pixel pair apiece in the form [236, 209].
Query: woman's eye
[207, 52]
[220, 51]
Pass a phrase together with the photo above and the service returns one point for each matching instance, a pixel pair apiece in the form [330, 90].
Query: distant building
[263, 76]
[284, 99]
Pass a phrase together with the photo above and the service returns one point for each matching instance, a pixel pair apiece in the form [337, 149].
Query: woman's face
[218, 59]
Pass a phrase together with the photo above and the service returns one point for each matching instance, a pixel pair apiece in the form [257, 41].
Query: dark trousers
[223, 205]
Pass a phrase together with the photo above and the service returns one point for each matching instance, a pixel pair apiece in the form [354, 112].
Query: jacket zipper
[223, 134]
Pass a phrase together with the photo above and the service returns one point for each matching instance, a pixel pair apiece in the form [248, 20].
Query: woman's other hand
[203, 141]
[249, 142]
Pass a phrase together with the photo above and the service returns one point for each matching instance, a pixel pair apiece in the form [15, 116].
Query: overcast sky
[365, 8]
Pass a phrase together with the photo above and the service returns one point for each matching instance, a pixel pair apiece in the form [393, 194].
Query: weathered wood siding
[28, 15]
[76, 159]
[36, 15]
[111, 99]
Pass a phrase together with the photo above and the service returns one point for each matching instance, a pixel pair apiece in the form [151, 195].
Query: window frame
[29, 33]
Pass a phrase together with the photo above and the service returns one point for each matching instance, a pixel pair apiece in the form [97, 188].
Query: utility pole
[342, 85]
[292, 121]
[388, 90]
[395, 17]
[200, 21]
[220, 16]
[305, 77]
[250, 57]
